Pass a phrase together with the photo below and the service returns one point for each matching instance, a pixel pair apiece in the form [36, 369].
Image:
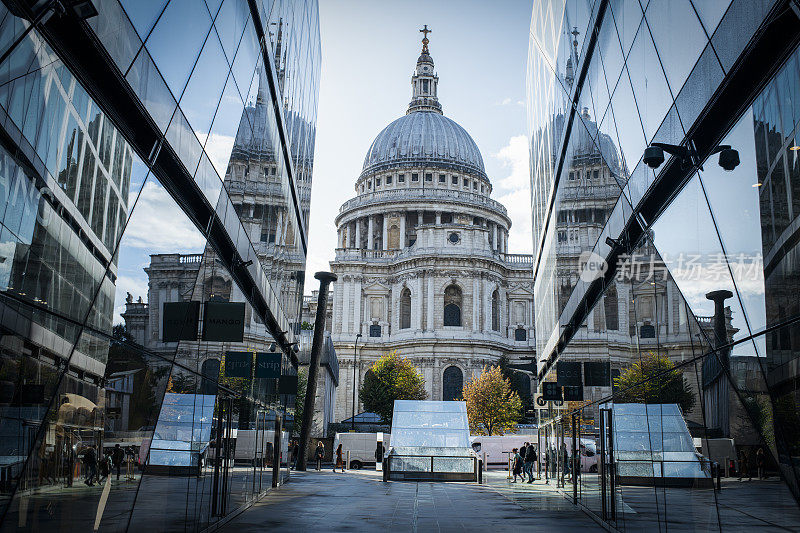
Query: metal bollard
[485, 464]
[719, 478]
[348, 459]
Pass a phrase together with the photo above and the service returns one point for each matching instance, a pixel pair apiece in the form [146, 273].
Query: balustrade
[377, 197]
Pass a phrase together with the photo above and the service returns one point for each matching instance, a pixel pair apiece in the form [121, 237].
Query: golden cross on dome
[425, 31]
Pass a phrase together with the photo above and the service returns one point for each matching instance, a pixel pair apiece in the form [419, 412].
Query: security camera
[653, 157]
[728, 158]
[272, 347]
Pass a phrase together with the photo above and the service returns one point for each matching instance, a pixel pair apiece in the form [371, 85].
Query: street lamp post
[355, 357]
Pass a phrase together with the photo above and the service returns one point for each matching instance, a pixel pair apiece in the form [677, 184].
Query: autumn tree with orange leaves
[493, 407]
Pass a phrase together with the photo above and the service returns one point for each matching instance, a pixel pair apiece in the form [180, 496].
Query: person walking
[744, 465]
[530, 459]
[319, 454]
[761, 461]
[90, 461]
[117, 458]
[516, 466]
[339, 458]
[565, 462]
[295, 453]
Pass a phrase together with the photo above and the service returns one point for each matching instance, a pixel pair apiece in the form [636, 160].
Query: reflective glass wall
[665, 310]
[155, 169]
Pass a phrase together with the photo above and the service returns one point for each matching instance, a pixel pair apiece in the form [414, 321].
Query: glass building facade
[666, 312]
[183, 133]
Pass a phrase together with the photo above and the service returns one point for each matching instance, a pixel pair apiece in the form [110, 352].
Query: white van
[588, 455]
[361, 446]
[246, 446]
[498, 447]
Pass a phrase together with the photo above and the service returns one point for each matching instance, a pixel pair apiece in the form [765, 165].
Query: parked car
[588, 455]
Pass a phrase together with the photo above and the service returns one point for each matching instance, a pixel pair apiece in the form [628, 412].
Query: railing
[423, 468]
[360, 254]
[191, 258]
[517, 259]
[420, 193]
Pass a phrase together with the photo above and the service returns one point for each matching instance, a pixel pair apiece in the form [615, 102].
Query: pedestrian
[319, 454]
[516, 465]
[90, 461]
[761, 461]
[565, 461]
[744, 465]
[295, 453]
[530, 458]
[104, 467]
[339, 459]
[117, 457]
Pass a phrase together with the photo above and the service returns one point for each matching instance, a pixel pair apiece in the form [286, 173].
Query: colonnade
[349, 233]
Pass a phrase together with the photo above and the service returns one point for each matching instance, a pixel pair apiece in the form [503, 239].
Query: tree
[300, 400]
[493, 407]
[654, 379]
[390, 378]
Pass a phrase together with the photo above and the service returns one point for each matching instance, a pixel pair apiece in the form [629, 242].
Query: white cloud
[218, 148]
[514, 192]
[159, 226]
[508, 101]
[127, 284]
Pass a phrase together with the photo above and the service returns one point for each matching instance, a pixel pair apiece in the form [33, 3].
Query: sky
[369, 51]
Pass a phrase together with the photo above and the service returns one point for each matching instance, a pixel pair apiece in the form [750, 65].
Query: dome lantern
[424, 82]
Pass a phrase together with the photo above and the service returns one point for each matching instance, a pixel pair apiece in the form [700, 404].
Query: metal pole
[355, 358]
[325, 279]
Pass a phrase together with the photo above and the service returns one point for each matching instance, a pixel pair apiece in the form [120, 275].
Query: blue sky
[369, 51]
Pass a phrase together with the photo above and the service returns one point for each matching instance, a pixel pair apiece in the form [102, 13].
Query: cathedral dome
[424, 139]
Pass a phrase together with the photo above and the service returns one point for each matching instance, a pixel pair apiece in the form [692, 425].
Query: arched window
[405, 309]
[452, 383]
[210, 373]
[495, 311]
[452, 306]
[611, 307]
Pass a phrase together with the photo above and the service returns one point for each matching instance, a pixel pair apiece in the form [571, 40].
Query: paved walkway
[360, 501]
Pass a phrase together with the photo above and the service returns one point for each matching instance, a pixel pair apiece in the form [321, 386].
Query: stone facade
[422, 259]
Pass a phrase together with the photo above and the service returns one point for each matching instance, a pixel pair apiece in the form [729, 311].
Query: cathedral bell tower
[424, 82]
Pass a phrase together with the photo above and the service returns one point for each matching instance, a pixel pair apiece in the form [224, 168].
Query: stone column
[416, 304]
[370, 230]
[344, 288]
[431, 300]
[395, 308]
[419, 219]
[385, 235]
[357, 222]
[279, 228]
[476, 309]
[487, 305]
[503, 305]
[438, 218]
[494, 240]
[402, 243]
[357, 305]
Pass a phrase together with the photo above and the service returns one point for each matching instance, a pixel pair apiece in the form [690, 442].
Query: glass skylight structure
[430, 440]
